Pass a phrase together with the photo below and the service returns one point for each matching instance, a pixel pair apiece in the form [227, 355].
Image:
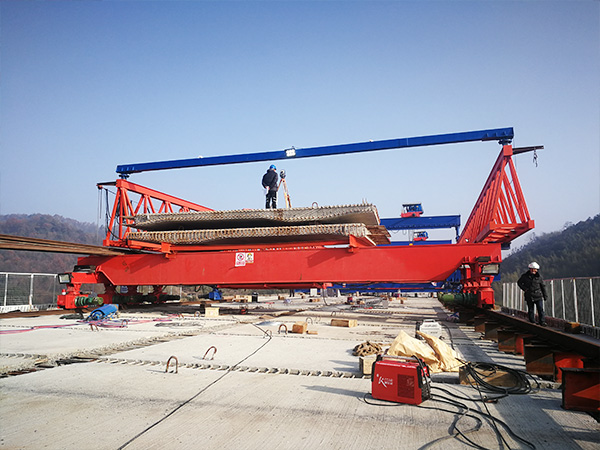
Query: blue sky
[86, 86]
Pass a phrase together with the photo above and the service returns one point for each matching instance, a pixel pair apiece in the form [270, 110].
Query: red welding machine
[400, 379]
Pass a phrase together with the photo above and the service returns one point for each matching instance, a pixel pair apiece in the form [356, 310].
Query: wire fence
[28, 291]
[39, 291]
[570, 299]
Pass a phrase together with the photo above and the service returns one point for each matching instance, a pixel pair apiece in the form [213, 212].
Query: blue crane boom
[502, 135]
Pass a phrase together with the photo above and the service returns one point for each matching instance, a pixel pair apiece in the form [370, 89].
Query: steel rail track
[581, 344]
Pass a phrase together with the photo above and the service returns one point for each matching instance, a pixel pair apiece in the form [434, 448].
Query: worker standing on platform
[532, 283]
[269, 182]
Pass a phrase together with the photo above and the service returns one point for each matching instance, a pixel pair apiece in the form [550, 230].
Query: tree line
[569, 253]
[44, 226]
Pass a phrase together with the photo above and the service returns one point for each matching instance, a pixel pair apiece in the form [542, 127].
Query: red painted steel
[295, 266]
[411, 214]
[581, 389]
[500, 213]
[521, 341]
[283, 267]
[566, 359]
[148, 201]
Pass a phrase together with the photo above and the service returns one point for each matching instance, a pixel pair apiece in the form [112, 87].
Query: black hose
[521, 385]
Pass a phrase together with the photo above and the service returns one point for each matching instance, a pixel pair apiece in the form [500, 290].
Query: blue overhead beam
[502, 135]
[422, 222]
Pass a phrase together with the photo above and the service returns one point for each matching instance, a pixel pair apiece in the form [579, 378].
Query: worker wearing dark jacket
[269, 182]
[532, 283]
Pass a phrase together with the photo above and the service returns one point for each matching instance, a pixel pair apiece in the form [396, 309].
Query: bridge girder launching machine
[499, 216]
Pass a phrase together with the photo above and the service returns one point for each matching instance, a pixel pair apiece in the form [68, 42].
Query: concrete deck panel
[279, 392]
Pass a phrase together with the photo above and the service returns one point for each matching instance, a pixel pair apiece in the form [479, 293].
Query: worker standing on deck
[269, 182]
[532, 283]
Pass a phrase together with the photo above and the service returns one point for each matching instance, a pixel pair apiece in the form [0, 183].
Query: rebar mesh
[247, 218]
[245, 235]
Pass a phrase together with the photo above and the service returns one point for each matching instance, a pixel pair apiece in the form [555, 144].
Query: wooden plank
[299, 327]
[344, 322]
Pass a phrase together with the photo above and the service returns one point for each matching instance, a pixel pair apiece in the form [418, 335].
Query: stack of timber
[261, 225]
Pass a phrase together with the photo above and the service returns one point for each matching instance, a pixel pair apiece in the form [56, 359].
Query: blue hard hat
[272, 166]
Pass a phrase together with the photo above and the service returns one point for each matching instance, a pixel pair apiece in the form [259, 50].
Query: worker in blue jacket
[532, 284]
[269, 182]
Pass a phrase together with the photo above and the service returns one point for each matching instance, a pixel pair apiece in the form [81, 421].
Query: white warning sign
[243, 258]
[240, 259]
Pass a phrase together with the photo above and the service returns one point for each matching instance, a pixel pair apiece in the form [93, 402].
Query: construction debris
[367, 348]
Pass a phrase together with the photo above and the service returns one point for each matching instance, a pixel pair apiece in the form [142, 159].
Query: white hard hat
[534, 265]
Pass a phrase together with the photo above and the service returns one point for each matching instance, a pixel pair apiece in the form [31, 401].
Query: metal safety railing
[570, 299]
[39, 291]
[28, 291]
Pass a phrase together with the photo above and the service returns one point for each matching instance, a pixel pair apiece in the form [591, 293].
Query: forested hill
[572, 252]
[43, 226]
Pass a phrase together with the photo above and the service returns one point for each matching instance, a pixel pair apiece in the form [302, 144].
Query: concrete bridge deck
[107, 388]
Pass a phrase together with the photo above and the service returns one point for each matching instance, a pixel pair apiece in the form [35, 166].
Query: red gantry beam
[289, 266]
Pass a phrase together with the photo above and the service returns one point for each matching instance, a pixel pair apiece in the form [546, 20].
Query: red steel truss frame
[148, 201]
[500, 213]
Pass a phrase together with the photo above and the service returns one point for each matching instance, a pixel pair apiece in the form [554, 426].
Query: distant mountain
[572, 252]
[43, 226]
